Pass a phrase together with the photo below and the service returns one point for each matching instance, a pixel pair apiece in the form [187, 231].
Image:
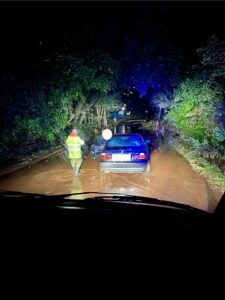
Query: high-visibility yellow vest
[74, 146]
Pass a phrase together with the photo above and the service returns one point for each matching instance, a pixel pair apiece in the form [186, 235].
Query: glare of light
[124, 107]
[107, 134]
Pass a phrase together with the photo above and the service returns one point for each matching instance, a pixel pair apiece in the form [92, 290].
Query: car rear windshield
[124, 141]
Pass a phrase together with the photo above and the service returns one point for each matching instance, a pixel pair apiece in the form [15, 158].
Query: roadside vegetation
[79, 92]
[196, 115]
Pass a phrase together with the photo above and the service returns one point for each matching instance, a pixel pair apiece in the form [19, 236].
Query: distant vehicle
[97, 147]
[135, 126]
[125, 153]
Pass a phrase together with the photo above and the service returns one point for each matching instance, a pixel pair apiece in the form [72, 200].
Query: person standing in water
[74, 143]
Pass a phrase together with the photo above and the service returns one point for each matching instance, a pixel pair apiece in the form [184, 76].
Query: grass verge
[213, 175]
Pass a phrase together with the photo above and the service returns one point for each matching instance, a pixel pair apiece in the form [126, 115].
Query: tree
[194, 109]
[212, 59]
[162, 102]
[89, 84]
[79, 91]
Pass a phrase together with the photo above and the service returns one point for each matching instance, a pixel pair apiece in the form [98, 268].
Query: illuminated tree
[193, 111]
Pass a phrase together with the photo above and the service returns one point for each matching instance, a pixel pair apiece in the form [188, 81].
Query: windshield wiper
[66, 199]
[114, 197]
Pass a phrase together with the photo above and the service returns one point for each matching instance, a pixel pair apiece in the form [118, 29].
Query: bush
[193, 110]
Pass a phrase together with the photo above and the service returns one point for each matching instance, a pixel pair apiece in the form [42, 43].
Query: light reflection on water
[171, 178]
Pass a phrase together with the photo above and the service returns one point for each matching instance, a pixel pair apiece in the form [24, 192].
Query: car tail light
[105, 156]
[140, 156]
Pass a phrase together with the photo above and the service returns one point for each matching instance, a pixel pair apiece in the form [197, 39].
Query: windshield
[80, 81]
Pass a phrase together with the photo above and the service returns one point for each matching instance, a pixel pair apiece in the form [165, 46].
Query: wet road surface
[171, 178]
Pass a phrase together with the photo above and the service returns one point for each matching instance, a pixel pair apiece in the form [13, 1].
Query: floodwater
[171, 178]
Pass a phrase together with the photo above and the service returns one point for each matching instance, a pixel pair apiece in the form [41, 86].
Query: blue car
[125, 153]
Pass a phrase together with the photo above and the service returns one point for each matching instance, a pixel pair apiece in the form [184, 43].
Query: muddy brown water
[171, 178]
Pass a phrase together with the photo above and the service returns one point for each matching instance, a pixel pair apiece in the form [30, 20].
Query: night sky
[34, 31]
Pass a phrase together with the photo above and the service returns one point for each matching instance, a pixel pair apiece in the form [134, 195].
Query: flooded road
[171, 178]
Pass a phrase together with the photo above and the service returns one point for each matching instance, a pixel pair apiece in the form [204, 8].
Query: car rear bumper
[123, 167]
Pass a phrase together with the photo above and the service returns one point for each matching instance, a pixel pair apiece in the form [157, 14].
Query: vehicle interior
[108, 221]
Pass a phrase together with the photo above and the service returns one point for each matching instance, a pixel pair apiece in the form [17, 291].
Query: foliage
[193, 110]
[162, 102]
[88, 83]
[212, 59]
[149, 125]
[79, 91]
[196, 128]
[220, 134]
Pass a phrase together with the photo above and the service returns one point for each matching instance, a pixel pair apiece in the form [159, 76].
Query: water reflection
[171, 178]
[77, 186]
